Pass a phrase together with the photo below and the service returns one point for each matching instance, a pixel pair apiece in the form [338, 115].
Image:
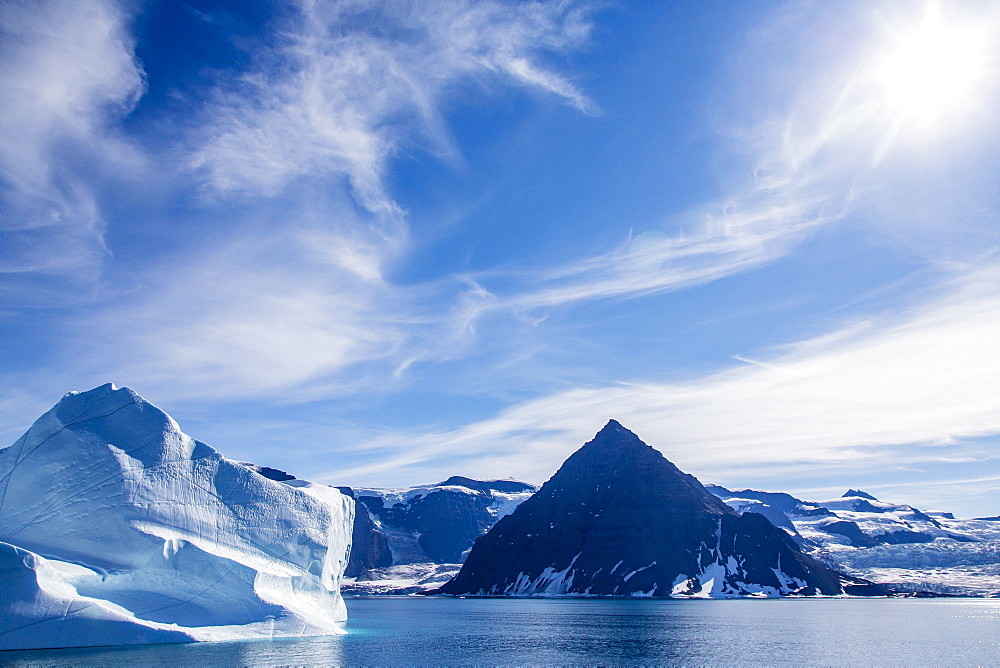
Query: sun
[934, 69]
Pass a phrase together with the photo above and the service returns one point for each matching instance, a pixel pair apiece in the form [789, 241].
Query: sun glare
[934, 69]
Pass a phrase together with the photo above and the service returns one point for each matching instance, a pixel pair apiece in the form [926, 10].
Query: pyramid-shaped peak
[614, 430]
[618, 459]
[614, 424]
[611, 446]
[618, 519]
[617, 441]
[857, 493]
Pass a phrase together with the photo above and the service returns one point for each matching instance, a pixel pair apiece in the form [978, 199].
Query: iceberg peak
[112, 417]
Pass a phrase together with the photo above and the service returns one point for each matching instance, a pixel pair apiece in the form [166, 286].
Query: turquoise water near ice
[443, 631]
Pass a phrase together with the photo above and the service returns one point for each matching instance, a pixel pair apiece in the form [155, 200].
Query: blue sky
[384, 243]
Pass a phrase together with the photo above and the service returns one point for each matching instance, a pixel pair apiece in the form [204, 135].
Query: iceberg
[116, 528]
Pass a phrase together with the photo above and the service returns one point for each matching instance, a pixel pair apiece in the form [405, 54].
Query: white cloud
[883, 393]
[67, 71]
[298, 305]
[297, 302]
[812, 147]
[288, 307]
[785, 195]
[259, 315]
[292, 296]
[745, 233]
[355, 82]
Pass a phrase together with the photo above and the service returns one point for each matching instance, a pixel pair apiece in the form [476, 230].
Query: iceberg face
[117, 528]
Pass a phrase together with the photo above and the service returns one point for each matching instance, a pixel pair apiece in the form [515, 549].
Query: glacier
[897, 545]
[116, 528]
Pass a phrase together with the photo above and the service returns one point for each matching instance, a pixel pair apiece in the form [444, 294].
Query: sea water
[445, 631]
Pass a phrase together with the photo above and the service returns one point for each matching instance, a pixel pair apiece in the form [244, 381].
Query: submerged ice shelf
[117, 528]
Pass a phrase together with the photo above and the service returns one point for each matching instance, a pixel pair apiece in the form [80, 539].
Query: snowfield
[116, 528]
[892, 544]
[943, 566]
[402, 580]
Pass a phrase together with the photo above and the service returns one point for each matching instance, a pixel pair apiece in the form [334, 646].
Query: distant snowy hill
[117, 528]
[414, 539]
[617, 518]
[438, 523]
[898, 545]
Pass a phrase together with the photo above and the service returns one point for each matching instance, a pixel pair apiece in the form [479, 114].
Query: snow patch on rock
[549, 582]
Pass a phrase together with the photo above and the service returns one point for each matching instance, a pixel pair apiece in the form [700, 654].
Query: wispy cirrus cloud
[310, 128]
[824, 145]
[67, 74]
[883, 393]
[353, 83]
[287, 294]
[281, 306]
[742, 234]
[282, 292]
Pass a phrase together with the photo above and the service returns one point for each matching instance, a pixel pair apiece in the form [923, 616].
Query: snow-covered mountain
[898, 545]
[414, 539]
[438, 523]
[117, 528]
[617, 518]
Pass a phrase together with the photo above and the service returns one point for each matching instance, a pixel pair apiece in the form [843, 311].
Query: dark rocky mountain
[438, 523]
[777, 507]
[619, 519]
[851, 531]
[779, 501]
[488, 487]
[369, 548]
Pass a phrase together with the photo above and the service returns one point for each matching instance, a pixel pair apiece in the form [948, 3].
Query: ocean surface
[441, 631]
